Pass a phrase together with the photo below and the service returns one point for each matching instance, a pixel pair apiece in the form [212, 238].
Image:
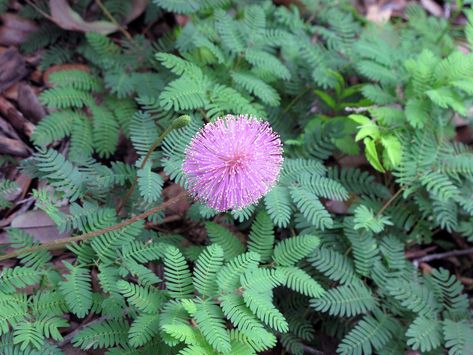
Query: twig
[461, 243]
[309, 350]
[415, 254]
[391, 200]
[202, 112]
[358, 109]
[447, 254]
[59, 244]
[115, 22]
[165, 220]
[37, 8]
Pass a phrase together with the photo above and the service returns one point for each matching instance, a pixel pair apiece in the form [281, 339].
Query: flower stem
[150, 151]
[391, 200]
[59, 244]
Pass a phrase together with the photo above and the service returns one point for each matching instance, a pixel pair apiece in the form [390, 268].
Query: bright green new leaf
[367, 127]
[372, 154]
[392, 151]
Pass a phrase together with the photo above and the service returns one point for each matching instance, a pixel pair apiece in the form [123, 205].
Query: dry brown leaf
[13, 68]
[13, 147]
[29, 104]
[68, 19]
[15, 30]
[378, 14]
[11, 93]
[39, 225]
[353, 161]
[7, 129]
[337, 207]
[24, 182]
[15, 117]
[432, 7]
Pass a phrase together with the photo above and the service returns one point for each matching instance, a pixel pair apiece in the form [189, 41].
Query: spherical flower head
[232, 162]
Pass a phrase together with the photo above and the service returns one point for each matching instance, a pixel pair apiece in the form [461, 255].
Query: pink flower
[232, 162]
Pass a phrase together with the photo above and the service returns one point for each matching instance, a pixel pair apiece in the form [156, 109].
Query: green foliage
[62, 98]
[424, 334]
[76, 79]
[143, 298]
[311, 207]
[18, 277]
[178, 276]
[19, 240]
[6, 188]
[261, 237]
[229, 242]
[333, 265]
[457, 336]
[206, 268]
[102, 335]
[209, 318]
[290, 251]
[370, 333]
[278, 205]
[364, 218]
[54, 127]
[77, 290]
[346, 300]
[149, 184]
[62, 175]
[320, 259]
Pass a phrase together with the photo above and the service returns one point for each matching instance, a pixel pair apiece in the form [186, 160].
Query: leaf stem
[295, 99]
[391, 200]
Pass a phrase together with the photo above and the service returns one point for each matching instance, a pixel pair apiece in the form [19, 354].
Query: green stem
[391, 200]
[294, 100]
[143, 164]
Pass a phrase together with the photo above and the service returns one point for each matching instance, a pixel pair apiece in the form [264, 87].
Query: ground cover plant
[341, 221]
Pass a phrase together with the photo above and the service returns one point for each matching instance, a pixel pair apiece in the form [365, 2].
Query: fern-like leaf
[177, 274]
[310, 206]
[146, 299]
[206, 268]
[291, 250]
[278, 205]
[229, 242]
[424, 334]
[347, 300]
[261, 237]
[77, 290]
[143, 329]
[333, 265]
[300, 281]
[209, 318]
[102, 335]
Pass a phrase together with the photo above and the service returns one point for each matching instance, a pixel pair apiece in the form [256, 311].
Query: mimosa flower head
[232, 162]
